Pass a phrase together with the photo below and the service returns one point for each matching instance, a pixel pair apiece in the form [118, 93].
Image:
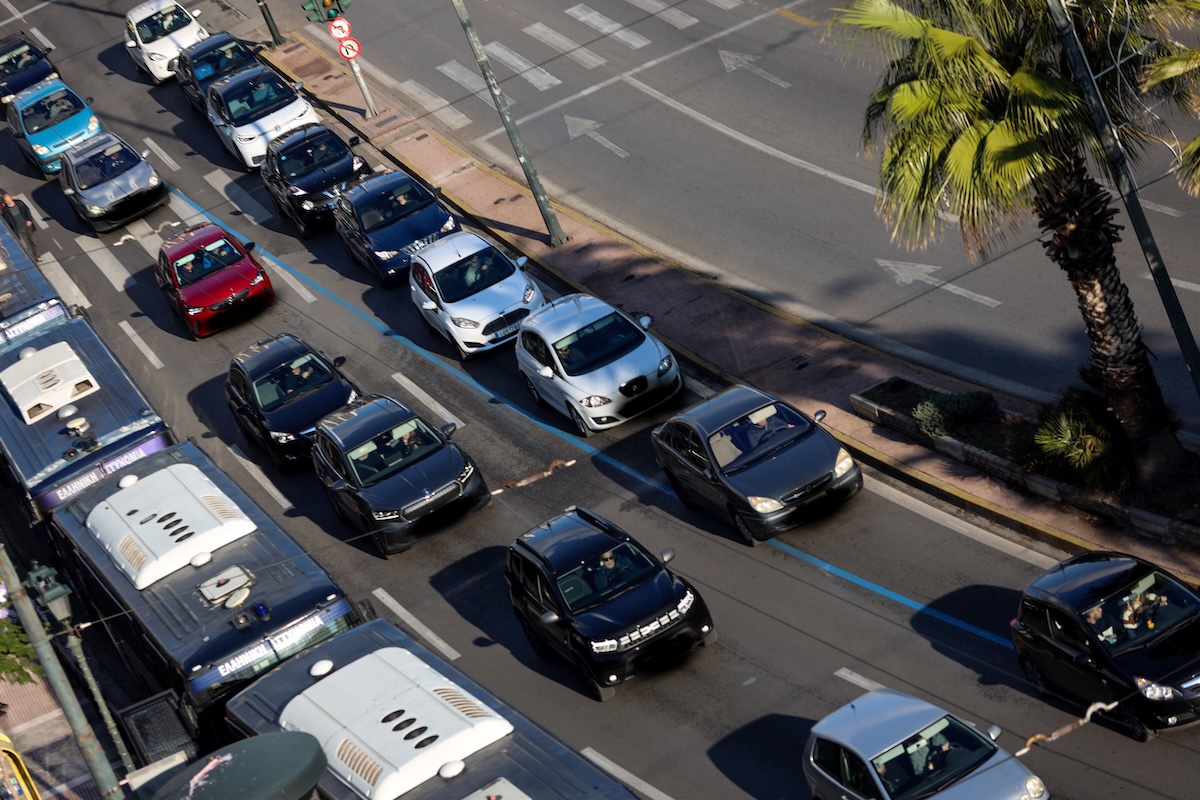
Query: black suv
[583, 588]
[304, 172]
[1108, 627]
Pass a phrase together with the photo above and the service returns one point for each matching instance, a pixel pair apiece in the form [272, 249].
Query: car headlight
[259, 278]
[844, 463]
[764, 505]
[466, 473]
[686, 602]
[193, 310]
[604, 646]
[296, 191]
[353, 396]
[246, 138]
[594, 401]
[1034, 788]
[358, 162]
[156, 57]
[448, 225]
[282, 437]
[203, 34]
[386, 255]
[463, 322]
[1156, 691]
[307, 205]
[93, 124]
[529, 293]
[94, 211]
[305, 111]
[154, 180]
[41, 149]
[381, 516]
[665, 365]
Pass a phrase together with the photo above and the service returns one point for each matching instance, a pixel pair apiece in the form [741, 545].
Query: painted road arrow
[744, 61]
[906, 272]
[577, 126]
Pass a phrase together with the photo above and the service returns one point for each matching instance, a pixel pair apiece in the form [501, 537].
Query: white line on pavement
[624, 776]
[185, 211]
[41, 37]
[146, 236]
[469, 80]
[106, 262]
[39, 218]
[698, 388]
[672, 16]
[568, 47]
[416, 624]
[858, 680]
[281, 271]
[140, 343]
[610, 28]
[242, 200]
[62, 282]
[260, 477]
[162, 154]
[424, 397]
[537, 77]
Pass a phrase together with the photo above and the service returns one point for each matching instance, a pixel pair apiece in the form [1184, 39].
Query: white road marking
[186, 211]
[281, 271]
[106, 262]
[62, 282]
[858, 680]
[146, 236]
[251, 209]
[470, 80]
[672, 16]
[726, 5]
[162, 154]
[537, 77]
[450, 117]
[260, 477]
[427, 400]
[416, 624]
[611, 29]
[41, 37]
[697, 388]
[1187, 286]
[39, 219]
[624, 776]
[140, 343]
[569, 48]
[906, 272]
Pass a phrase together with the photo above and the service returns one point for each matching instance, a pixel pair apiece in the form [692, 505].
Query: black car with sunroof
[586, 591]
[199, 66]
[304, 172]
[22, 64]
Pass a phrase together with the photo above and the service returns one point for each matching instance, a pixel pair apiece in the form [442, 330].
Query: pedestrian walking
[20, 221]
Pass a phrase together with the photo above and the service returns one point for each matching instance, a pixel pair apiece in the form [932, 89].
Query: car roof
[570, 539]
[194, 236]
[566, 315]
[309, 130]
[715, 413]
[878, 720]
[373, 184]
[143, 10]
[85, 150]
[271, 351]
[40, 90]
[361, 420]
[452, 249]
[241, 77]
[213, 41]
[1084, 580]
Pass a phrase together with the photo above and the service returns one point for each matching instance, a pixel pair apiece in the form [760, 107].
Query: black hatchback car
[22, 64]
[278, 389]
[199, 66]
[1108, 627]
[306, 170]
[585, 590]
[755, 460]
[391, 475]
[384, 218]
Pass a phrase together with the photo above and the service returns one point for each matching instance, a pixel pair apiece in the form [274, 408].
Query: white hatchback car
[468, 291]
[155, 32]
[251, 107]
[593, 363]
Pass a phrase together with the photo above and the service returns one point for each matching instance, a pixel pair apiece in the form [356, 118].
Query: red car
[211, 279]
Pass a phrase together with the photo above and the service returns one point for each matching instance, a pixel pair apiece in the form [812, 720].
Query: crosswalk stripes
[251, 209]
[280, 272]
[39, 216]
[435, 105]
[188, 214]
[556, 41]
[146, 236]
[140, 344]
[725, 5]
[525, 69]
[672, 16]
[167, 161]
[106, 262]
[64, 286]
[470, 80]
[610, 28]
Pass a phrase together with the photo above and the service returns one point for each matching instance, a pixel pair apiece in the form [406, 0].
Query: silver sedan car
[889, 746]
[589, 361]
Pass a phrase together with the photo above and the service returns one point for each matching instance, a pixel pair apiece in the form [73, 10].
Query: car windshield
[749, 438]
[597, 344]
[473, 274]
[932, 759]
[291, 380]
[393, 450]
[393, 205]
[258, 98]
[199, 264]
[605, 575]
[159, 24]
[311, 155]
[51, 110]
[220, 60]
[105, 165]
[1145, 610]
[17, 59]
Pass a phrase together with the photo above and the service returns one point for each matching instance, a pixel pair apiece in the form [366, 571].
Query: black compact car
[585, 590]
[755, 460]
[108, 183]
[384, 218]
[199, 66]
[304, 172]
[1108, 627]
[22, 64]
[279, 388]
[391, 475]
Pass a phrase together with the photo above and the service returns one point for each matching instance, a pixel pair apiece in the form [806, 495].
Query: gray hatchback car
[108, 183]
[889, 746]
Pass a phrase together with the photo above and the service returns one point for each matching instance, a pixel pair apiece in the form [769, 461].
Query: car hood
[293, 115]
[491, 301]
[642, 603]
[27, 77]
[56, 137]
[220, 285]
[135, 179]
[403, 232]
[1172, 659]
[413, 482]
[606, 380]
[173, 42]
[308, 409]
[339, 172]
[800, 463]
[1001, 777]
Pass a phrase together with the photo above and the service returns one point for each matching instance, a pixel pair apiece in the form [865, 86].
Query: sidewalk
[40, 733]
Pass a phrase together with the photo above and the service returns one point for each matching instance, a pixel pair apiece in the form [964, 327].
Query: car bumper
[626, 408]
[211, 322]
[838, 491]
[613, 669]
[1169, 715]
[497, 332]
[396, 536]
[129, 208]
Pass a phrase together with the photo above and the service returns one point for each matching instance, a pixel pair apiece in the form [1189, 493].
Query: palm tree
[978, 116]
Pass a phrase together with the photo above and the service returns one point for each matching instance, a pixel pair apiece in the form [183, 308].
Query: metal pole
[356, 70]
[557, 236]
[93, 754]
[1128, 189]
[75, 645]
[276, 38]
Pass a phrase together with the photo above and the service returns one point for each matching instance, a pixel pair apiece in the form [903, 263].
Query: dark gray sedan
[756, 460]
[108, 183]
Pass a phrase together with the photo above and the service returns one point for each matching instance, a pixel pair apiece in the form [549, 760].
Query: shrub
[947, 412]
[1078, 440]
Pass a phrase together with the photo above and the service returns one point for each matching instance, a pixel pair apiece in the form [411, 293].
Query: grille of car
[656, 626]
[511, 318]
[811, 488]
[649, 399]
[634, 387]
[231, 301]
[422, 242]
[431, 502]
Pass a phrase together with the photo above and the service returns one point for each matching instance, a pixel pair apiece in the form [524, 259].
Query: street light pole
[276, 38]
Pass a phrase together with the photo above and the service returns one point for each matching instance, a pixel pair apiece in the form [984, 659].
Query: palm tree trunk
[1077, 213]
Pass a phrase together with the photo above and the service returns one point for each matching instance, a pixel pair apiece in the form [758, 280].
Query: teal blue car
[48, 119]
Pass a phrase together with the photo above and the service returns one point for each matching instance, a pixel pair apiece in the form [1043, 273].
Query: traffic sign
[349, 48]
[339, 28]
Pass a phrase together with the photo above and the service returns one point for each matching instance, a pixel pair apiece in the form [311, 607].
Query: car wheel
[302, 228]
[1034, 675]
[1127, 716]
[710, 639]
[380, 543]
[598, 690]
[743, 530]
[539, 647]
[533, 391]
[580, 426]
[684, 498]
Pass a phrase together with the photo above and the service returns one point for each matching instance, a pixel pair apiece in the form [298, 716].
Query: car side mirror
[993, 732]
[1084, 660]
[820, 415]
[173, 64]
[429, 305]
[68, 191]
[448, 429]
[667, 555]
[522, 261]
[645, 320]
[249, 246]
[298, 85]
[338, 486]
[17, 132]
[354, 141]
[549, 618]
[195, 13]
[546, 372]
[339, 361]
[130, 43]
[88, 100]
[146, 153]
[48, 49]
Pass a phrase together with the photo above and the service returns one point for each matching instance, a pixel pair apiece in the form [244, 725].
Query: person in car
[611, 570]
[1103, 624]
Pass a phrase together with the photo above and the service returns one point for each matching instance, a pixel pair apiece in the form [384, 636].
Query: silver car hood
[133, 180]
[607, 379]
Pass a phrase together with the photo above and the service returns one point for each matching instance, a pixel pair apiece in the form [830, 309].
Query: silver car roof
[877, 721]
[566, 315]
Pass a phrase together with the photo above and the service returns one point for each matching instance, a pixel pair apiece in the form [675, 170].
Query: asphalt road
[891, 589]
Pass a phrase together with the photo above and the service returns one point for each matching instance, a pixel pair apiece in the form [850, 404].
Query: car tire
[540, 649]
[533, 391]
[380, 543]
[303, 230]
[1133, 723]
[685, 499]
[1037, 681]
[711, 638]
[577, 420]
[745, 535]
[599, 692]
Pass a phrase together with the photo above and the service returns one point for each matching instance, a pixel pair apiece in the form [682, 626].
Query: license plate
[509, 331]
